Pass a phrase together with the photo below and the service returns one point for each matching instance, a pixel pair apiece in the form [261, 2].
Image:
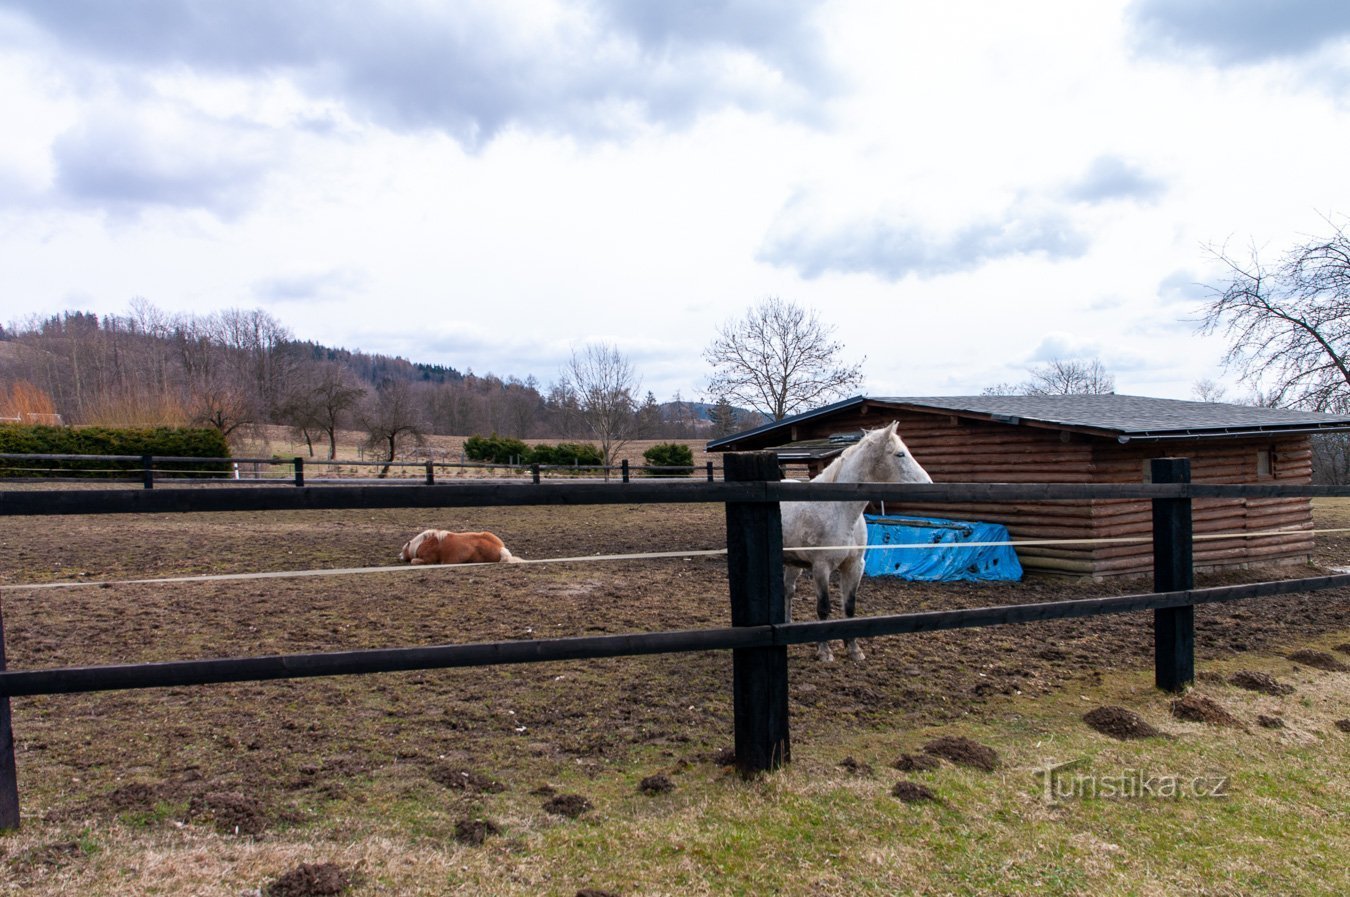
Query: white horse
[838, 528]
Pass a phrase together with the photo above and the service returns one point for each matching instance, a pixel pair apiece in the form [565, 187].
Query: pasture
[554, 778]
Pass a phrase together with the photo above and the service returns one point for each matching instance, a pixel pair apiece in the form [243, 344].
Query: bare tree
[391, 414]
[1061, 378]
[601, 381]
[779, 359]
[321, 396]
[1289, 326]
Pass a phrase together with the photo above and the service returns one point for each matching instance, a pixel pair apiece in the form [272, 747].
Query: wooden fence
[759, 634]
[150, 468]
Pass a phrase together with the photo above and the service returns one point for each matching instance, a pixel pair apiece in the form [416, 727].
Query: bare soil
[256, 757]
[1119, 722]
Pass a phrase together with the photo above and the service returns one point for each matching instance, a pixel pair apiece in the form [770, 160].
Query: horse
[438, 546]
[828, 536]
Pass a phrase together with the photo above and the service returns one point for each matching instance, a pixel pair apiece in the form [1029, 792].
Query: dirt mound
[657, 784]
[1200, 709]
[475, 831]
[229, 812]
[1119, 722]
[963, 752]
[310, 880]
[569, 805]
[1343, 725]
[458, 779]
[1269, 722]
[1262, 682]
[1320, 660]
[592, 892]
[912, 792]
[1343, 647]
[857, 767]
[916, 763]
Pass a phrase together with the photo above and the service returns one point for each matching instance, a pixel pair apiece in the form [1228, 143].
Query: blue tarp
[954, 561]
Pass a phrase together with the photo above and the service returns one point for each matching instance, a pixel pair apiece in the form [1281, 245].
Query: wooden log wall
[953, 449]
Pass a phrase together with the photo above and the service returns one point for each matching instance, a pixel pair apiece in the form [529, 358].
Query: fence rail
[150, 468]
[759, 634]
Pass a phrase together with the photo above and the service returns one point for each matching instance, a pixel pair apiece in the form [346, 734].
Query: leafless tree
[1061, 378]
[321, 396]
[779, 359]
[1288, 327]
[601, 380]
[391, 414]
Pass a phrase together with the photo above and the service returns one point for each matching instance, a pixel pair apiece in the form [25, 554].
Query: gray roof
[1126, 418]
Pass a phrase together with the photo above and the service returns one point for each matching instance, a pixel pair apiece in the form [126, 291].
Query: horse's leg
[850, 577]
[821, 574]
[790, 575]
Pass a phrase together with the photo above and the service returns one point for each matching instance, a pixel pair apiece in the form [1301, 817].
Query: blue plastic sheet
[955, 560]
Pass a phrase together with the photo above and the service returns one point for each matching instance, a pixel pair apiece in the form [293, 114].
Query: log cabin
[1084, 439]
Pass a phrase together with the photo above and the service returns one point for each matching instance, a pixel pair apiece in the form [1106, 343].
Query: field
[607, 775]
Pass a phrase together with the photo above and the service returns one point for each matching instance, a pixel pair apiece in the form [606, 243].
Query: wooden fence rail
[759, 634]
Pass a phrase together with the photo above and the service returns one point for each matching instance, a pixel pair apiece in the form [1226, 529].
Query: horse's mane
[831, 472]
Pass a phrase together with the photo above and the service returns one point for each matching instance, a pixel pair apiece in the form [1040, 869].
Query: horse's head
[889, 458]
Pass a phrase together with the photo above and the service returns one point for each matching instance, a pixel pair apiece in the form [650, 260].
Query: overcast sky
[965, 189]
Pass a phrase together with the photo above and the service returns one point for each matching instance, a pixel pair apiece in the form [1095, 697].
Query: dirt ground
[252, 757]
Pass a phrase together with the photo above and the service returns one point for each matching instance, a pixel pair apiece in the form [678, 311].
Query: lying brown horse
[438, 546]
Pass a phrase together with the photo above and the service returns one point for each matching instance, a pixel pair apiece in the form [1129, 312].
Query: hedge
[160, 441]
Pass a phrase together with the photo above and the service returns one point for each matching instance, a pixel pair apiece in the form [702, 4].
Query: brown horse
[438, 546]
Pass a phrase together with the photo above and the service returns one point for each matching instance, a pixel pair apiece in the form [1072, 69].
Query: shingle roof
[1127, 418]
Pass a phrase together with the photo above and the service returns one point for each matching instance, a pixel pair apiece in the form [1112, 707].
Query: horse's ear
[891, 427]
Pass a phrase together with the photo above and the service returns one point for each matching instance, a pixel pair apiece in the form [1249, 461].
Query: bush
[670, 454]
[161, 441]
[567, 454]
[496, 449]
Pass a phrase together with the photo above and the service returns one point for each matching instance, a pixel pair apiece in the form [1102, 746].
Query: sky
[964, 190]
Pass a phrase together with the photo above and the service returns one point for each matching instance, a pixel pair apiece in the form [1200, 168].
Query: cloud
[1240, 32]
[1183, 287]
[305, 286]
[1113, 178]
[470, 70]
[123, 162]
[894, 247]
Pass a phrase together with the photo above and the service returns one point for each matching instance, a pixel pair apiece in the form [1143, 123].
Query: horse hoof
[857, 655]
[824, 654]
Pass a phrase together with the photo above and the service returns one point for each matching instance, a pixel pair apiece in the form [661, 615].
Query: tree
[1061, 378]
[390, 414]
[779, 359]
[1288, 326]
[601, 383]
[321, 396]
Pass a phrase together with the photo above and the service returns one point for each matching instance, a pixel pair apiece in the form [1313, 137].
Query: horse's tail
[507, 557]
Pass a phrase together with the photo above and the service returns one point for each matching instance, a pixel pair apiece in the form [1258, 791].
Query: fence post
[710, 472]
[431, 473]
[147, 471]
[755, 574]
[534, 474]
[299, 471]
[1173, 571]
[9, 777]
[623, 465]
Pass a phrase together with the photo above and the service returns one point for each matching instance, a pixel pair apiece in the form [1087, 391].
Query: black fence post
[431, 473]
[1173, 571]
[534, 474]
[148, 471]
[623, 465]
[710, 472]
[9, 777]
[755, 574]
[299, 471]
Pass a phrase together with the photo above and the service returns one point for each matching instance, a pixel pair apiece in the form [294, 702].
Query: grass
[817, 828]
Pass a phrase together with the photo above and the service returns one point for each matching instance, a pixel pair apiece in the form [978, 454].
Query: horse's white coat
[881, 456]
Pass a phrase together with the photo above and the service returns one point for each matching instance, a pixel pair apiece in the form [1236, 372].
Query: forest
[235, 370]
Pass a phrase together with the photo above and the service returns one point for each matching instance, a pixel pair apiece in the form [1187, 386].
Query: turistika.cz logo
[1063, 781]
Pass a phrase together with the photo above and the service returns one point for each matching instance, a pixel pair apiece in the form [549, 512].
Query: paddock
[291, 748]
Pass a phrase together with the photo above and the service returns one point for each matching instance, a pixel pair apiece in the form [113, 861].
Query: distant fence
[146, 469]
[759, 634]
